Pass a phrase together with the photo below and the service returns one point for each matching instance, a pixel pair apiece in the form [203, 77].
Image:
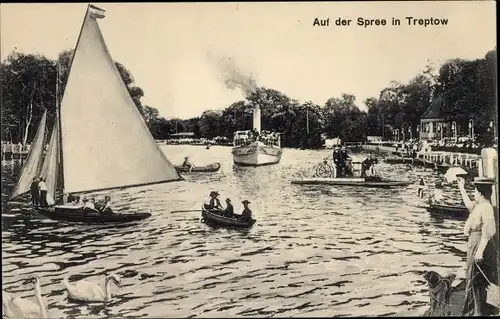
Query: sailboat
[263, 151]
[100, 140]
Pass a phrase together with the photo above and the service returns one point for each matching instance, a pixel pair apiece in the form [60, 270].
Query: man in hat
[246, 214]
[187, 163]
[35, 193]
[213, 203]
[229, 210]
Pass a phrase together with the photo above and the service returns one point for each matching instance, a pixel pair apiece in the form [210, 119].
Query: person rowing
[187, 163]
[213, 202]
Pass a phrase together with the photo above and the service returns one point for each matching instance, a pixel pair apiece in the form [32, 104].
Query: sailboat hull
[78, 215]
[256, 155]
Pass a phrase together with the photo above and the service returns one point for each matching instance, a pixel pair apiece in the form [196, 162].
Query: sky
[165, 45]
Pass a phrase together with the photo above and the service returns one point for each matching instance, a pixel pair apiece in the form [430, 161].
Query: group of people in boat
[266, 137]
[213, 204]
[103, 206]
[342, 163]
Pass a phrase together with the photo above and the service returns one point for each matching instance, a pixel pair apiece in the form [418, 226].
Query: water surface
[314, 251]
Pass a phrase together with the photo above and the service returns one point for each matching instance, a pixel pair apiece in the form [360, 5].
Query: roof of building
[435, 109]
[183, 134]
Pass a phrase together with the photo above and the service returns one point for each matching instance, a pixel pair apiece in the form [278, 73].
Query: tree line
[468, 90]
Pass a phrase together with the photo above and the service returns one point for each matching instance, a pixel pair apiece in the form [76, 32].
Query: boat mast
[58, 106]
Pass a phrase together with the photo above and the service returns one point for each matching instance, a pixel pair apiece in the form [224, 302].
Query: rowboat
[216, 219]
[443, 210]
[211, 168]
[351, 181]
[80, 215]
[96, 120]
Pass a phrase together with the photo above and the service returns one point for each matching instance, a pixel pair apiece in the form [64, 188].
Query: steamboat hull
[252, 155]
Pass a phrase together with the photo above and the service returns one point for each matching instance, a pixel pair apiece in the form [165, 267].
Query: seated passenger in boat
[348, 167]
[246, 214]
[213, 202]
[105, 206]
[187, 163]
[229, 210]
[89, 204]
[366, 165]
[77, 201]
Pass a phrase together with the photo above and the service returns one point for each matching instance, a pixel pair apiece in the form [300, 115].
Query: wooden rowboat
[352, 181]
[80, 215]
[199, 169]
[216, 219]
[453, 211]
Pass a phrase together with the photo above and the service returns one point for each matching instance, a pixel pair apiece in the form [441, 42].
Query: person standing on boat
[43, 193]
[480, 227]
[421, 188]
[246, 214]
[213, 203]
[35, 193]
[229, 210]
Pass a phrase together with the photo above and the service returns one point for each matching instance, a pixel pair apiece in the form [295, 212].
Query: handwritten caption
[364, 22]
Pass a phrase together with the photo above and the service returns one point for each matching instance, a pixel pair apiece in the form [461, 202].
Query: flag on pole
[96, 12]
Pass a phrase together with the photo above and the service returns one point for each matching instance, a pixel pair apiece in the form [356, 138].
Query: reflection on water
[314, 251]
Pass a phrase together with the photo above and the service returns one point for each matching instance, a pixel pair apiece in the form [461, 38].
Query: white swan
[23, 308]
[84, 290]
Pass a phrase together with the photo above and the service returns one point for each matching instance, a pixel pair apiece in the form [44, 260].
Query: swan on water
[23, 308]
[84, 290]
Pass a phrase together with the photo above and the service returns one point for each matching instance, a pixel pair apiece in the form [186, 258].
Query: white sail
[31, 168]
[105, 141]
[50, 165]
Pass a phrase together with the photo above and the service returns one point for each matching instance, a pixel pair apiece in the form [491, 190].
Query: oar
[186, 211]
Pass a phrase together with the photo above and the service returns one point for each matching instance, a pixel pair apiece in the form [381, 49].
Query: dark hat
[228, 199]
[214, 193]
[245, 202]
[483, 181]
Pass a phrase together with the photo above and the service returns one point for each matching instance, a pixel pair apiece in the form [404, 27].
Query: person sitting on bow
[187, 164]
[229, 210]
[246, 214]
[213, 202]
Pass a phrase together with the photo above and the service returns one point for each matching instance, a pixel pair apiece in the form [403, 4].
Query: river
[314, 251]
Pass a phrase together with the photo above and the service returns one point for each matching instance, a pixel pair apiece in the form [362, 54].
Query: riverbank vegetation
[468, 88]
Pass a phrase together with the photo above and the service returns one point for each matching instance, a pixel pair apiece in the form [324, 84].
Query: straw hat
[483, 181]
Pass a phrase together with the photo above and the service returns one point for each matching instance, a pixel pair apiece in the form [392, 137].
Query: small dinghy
[214, 167]
[451, 211]
[216, 219]
[80, 215]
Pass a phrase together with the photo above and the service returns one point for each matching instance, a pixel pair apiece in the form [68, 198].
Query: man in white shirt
[43, 193]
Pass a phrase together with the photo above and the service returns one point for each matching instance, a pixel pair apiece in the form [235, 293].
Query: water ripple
[314, 251]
